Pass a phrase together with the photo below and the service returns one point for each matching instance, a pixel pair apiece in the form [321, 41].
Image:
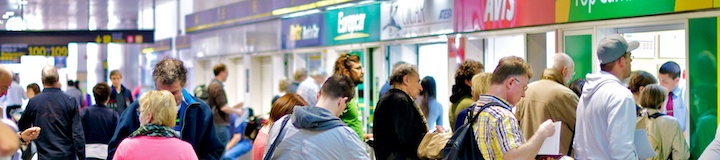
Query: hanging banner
[305, 31]
[353, 25]
[414, 18]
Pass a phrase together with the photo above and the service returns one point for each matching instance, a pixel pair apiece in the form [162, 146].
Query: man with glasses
[497, 131]
[550, 98]
[606, 111]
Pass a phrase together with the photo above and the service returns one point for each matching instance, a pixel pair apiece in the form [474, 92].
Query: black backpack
[462, 145]
[254, 123]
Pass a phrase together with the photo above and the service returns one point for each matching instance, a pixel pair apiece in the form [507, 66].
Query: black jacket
[398, 127]
[197, 128]
[58, 116]
[99, 123]
[113, 103]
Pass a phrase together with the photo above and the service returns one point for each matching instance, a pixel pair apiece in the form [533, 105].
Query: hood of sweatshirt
[315, 118]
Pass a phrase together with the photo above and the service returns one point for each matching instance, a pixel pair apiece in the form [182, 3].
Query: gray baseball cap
[613, 47]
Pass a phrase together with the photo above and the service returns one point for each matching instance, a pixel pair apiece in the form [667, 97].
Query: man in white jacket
[606, 112]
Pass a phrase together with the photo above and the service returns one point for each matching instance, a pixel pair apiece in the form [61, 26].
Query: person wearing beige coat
[549, 98]
[664, 132]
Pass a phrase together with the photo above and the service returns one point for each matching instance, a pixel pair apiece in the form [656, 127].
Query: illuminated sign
[11, 53]
[76, 36]
[304, 31]
[353, 25]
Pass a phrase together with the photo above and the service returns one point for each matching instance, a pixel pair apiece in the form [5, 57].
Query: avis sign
[474, 15]
[352, 25]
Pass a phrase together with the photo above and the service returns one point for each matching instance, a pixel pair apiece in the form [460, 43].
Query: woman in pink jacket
[156, 139]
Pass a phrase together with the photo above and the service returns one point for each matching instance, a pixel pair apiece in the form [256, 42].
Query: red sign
[474, 15]
[130, 39]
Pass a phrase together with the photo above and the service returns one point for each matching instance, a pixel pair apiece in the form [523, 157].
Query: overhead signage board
[76, 36]
[353, 25]
[476, 15]
[414, 18]
[239, 13]
[183, 42]
[158, 46]
[11, 53]
[305, 31]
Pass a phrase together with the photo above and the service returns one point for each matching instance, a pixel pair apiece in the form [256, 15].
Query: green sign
[579, 48]
[584, 10]
[353, 25]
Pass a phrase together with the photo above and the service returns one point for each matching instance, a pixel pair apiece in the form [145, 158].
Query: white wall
[499, 47]
[431, 63]
[166, 24]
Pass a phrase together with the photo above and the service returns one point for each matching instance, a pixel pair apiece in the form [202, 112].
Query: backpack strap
[277, 140]
[472, 107]
[656, 115]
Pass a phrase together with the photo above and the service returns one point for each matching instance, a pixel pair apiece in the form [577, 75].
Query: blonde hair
[480, 84]
[653, 96]
[283, 84]
[161, 105]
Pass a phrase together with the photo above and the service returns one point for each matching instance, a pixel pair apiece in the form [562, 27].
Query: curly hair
[170, 70]
[467, 70]
[342, 65]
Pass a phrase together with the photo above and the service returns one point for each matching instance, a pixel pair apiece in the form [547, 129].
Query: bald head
[6, 77]
[564, 65]
[50, 76]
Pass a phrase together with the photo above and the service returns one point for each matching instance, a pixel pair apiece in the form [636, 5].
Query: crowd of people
[317, 117]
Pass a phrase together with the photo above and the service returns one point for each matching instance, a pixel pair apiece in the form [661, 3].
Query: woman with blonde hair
[664, 131]
[480, 85]
[156, 139]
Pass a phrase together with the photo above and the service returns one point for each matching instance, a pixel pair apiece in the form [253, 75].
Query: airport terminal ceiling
[73, 14]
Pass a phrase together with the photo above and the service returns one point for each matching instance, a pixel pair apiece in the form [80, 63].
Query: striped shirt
[497, 131]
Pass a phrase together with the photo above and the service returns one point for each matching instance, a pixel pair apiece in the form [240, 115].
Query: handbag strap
[277, 140]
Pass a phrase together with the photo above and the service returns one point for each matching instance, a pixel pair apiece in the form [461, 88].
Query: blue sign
[60, 62]
[305, 31]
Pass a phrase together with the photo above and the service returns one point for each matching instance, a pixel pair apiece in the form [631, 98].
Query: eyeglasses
[518, 81]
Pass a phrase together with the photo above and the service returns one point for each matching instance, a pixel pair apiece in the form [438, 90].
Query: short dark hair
[115, 72]
[510, 66]
[34, 87]
[640, 79]
[467, 70]
[670, 68]
[577, 86]
[396, 77]
[71, 83]
[338, 86]
[101, 91]
[170, 70]
[218, 68]
[653, 96]
[608, 66]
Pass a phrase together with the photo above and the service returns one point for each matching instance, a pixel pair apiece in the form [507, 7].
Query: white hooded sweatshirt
[605, 123]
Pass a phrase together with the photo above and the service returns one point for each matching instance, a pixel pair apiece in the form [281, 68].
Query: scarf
[154, 130]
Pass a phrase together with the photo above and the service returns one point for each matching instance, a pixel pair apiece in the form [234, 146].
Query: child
[663, 131]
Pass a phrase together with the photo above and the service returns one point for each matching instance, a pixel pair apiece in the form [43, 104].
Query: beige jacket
[545, 99]
[665, 135]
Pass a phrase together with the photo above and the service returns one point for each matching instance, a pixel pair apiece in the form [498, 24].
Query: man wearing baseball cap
[606, 112]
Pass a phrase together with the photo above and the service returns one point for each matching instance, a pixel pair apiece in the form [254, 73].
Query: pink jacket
[145, 147]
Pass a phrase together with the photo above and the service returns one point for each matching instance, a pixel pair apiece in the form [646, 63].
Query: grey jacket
[314, 133]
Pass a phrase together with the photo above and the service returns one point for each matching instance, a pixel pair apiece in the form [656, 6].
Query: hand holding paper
[551, 146]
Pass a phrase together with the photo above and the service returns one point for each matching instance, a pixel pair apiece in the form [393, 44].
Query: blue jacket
[197, 128]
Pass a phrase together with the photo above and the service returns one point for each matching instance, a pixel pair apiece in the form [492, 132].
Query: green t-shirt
[456, 108]
[352, 118]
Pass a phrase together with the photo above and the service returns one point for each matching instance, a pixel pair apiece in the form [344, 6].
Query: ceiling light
[23, 2]
[10, 13]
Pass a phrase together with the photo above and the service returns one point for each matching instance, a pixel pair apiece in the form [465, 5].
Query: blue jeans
[244, 146]
[223, 134]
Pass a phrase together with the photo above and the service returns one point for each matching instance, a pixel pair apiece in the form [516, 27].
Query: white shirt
[15, 95]
[605, 123]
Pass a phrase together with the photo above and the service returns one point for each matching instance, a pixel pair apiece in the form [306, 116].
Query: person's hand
[30, 133]
[439, 129]
[239, 105]
[546, 129]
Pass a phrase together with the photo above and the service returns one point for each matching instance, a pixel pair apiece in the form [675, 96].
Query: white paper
[642, 145]
[551, 146]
